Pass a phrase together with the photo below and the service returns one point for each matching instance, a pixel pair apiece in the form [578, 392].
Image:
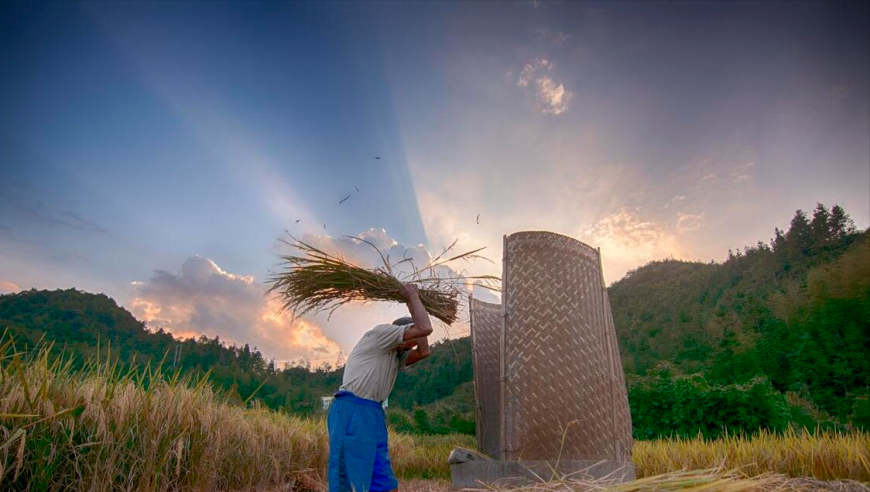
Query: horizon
[157, 152]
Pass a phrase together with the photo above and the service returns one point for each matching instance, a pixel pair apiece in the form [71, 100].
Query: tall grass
[99, 428]
[796, 453]
[425, 456]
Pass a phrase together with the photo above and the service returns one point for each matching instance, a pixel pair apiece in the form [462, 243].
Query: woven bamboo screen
[560, 367]
[485, 337]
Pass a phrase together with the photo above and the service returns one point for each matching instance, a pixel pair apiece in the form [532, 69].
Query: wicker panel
[485, 336]
[560, 365]
[622, 413]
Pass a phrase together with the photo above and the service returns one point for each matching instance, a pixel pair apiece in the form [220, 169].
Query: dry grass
[99, 429]
[415, 456]
[824, 455]
[314, 281]
[712, 480]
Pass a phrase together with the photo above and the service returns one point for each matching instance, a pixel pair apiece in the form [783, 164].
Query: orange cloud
[203, 299]
[8, 287]
[627, 241]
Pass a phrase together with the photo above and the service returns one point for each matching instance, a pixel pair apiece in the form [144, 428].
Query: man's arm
[420, 352]
[422, 325]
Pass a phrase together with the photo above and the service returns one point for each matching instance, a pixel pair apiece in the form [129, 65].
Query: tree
[839, 223]
[820, 227]
[799, 238]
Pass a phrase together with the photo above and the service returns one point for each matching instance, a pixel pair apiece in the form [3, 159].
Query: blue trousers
[358, 456]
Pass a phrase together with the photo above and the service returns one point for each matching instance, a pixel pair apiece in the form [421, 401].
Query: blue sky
[156, 151]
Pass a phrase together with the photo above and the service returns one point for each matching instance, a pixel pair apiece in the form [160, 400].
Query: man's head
[405, 321]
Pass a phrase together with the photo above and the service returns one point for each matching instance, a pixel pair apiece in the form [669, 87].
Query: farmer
[358, 454]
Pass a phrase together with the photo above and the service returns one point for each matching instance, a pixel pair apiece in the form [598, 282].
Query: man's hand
[409, 291]
[417, 355]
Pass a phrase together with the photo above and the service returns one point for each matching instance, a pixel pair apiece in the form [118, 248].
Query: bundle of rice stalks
[315, 281]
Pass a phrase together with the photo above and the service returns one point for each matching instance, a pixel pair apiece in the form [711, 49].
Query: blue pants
[358, 454]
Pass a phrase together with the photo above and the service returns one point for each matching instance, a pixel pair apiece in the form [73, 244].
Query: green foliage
[796, 312]
[399, 421]
[684, 406]
[861, 412]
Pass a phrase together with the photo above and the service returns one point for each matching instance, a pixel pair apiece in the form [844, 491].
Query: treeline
[779, 333]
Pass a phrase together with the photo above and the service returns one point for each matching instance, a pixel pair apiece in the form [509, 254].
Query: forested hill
[684, 312]
[778, 333]
[796, 311]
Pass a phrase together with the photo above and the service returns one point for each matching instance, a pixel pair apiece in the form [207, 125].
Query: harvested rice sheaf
[315, 281]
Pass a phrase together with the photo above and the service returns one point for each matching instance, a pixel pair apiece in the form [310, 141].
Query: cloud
[529, 70]
[7, 287]
[552, 97]
[203, 299]
[676, 200]
[485, 295]
[627, 241]
[689, 222]
[735, 162]
[741, 172]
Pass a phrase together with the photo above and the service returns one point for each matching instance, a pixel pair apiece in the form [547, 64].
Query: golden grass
[713, 480]
[824, 455]
[99, 429]
[415, 456]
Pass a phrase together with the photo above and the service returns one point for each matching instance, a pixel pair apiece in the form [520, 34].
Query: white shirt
[374, 362]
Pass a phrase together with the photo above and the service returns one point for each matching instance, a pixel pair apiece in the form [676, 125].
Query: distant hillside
[796, 311]
[777, 334]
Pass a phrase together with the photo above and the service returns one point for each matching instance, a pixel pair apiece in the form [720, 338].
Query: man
[358, 454]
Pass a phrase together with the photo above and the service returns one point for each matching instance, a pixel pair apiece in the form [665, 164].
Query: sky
[157, 152]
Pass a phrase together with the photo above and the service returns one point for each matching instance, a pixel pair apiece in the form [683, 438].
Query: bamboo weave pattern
[561, 373]
[485, 334]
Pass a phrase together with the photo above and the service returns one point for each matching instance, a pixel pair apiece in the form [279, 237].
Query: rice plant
[825, 455]
[101, 428]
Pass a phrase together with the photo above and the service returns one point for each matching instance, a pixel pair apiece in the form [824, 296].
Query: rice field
[823, 455]
[102, 429]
